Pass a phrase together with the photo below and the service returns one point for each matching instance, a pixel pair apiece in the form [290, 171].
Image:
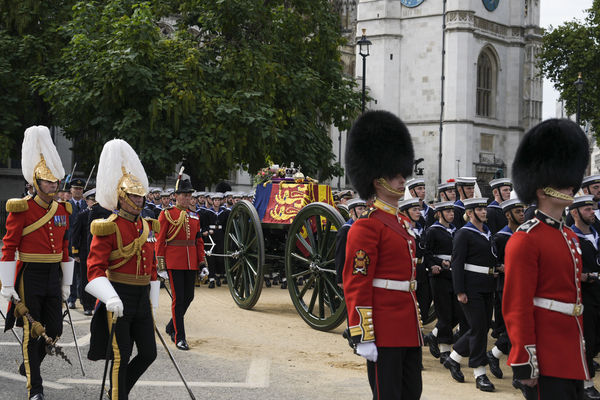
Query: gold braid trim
[176, 225]
[17, 205]
[549, 191]
[132, 249]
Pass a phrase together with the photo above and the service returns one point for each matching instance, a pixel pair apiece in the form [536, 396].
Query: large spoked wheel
[343, 210]
[310, 266]
[244, 249]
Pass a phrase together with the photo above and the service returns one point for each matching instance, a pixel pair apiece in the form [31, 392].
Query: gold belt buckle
[491, 271]
[577, 310]
[412, 286]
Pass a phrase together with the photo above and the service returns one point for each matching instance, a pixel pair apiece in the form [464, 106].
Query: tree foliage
[571, 48]
[239, 82]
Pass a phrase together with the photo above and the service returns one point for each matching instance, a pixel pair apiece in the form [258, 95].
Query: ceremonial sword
[175, 364]
[68, 313]
[11, 329]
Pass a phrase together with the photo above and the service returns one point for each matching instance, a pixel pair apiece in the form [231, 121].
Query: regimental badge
[60, 220]
[361, 263]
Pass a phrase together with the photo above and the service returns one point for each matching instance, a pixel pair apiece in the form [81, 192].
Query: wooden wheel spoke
[307, 285]
[250, 266]
[325, 238]
[235, 266]
[330, 251]
[251, 242]
[234, 239]
[327, 262]
[309, 232]
[305, 244]
[236, 228]
[299, 257]
[237, 281]
[320, 291]
[336, 289]
[313, 299]
[329, 299]
[301, 274]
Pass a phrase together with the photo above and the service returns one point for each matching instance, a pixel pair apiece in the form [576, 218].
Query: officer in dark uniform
[416, 189]
[78, 204]
[473, 270]
[514, 212]
[501, 189]
[80, 245]
[411, 208]
[465, 187]
[438, 254]
[355, 208]
[380, 271]
[582, 211]
[590, 185]
[35, 269]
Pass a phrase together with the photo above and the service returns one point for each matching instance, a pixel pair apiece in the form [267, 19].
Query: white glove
[8, 292]
[115, 305]
[367, 350]
[204, 272]
[163, 274]
[66, 292]
[154, 295]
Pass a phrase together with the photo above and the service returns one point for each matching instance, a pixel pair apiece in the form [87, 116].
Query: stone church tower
[475, 81]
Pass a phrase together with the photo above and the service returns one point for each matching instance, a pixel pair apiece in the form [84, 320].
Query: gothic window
[486, 84]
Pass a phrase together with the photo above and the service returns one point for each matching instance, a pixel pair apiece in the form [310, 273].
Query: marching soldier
[213, 229]
[41, 274]
[78, 204]
[81, 247]
[438, 254]
[542, 294]
[411, 208]
[514, 212]
[122, 270]
[355, 208]
[466, 190]
[380, 272]
[180, 250]
[472, 266]
[501, 189]
[582, 212]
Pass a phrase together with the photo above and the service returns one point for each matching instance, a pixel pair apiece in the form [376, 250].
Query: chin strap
[551, 192]
[390, 189]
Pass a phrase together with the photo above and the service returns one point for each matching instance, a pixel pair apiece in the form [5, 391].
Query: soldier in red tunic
[542, 304]
[36, 229]
[380, 269]
[121, 269]
[180, 249]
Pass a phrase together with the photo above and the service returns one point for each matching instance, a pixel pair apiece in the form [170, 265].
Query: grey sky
[555, 12]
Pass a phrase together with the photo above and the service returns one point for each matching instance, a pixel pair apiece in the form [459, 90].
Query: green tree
[571, 48]
[239, 82]
[30, 44]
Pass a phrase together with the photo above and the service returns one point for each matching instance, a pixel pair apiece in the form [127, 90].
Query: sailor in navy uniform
[582, 211]
[447, 191]
[438, 254]
[473, 263]
[415, 188]
[501, 189]
[355, 208]
[514, 211]
[412, 209]
[213, 229]
[590, 185]
[465, 187]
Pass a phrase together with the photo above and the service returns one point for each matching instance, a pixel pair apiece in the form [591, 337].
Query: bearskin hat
[223, 187]
[379, 146]
[553, 153]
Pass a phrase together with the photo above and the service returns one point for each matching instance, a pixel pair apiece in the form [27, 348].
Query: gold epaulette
[104, 227]
[17, 205]
[68, 206]
[155, 224]
[367, 213]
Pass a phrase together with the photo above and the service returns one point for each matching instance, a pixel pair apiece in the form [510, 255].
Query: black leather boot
[483, 383]
[454, 368]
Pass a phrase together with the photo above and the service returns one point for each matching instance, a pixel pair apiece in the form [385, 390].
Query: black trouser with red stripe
[40, 289]
[182, 287]
[135, 326]
[396, 374]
